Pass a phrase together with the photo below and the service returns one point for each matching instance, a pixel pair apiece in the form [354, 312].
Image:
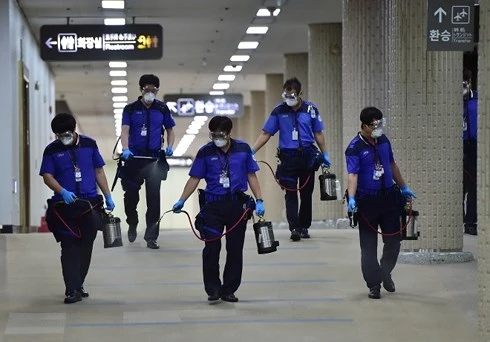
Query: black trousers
[469, 182]
[216, 217]
[76, 240]
[293, 172]
[134, 174]
[383, 211]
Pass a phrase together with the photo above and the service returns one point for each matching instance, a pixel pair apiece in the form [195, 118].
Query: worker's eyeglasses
[376, 123]
[65, 135]
[292, 96]
[465, 84]
[149, 90]
[218, 135]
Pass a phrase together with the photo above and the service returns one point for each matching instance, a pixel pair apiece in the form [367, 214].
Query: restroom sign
[450, 25]
[101, 42]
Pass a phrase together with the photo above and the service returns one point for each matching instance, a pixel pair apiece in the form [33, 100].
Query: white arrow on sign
[440, 12]
[49, 43]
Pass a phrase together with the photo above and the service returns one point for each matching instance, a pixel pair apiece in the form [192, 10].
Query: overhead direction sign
[203, 104]
[450, 25]
[101, 42]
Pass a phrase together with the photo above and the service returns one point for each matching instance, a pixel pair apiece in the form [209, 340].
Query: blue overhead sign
[203, 104]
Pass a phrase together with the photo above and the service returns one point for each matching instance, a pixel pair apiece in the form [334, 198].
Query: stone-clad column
[325, 90]
[483, 177]
[273, 196]
[417, 91]
[296, 65]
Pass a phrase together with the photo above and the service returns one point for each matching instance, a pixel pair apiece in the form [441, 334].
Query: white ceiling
[194, 31]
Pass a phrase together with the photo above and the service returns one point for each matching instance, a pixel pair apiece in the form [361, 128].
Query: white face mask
[66, 138]
[376, 133]
[149, 98]
[220, 142]
[291, 102]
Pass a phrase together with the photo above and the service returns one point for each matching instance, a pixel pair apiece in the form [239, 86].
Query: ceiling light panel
[247, 45]
[113, 4]
[118, 64]
[114, 21]
[216, 92]
[226, 78]
[119, 83]
[119, 90]
[257, 30]
[118, 73]
[239, 58]
[232, 68]
[221, 86]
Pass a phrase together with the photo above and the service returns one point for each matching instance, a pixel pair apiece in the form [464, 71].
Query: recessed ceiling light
[114, 21]
[119, 90]
[118, 64]
[247, 45]
[216, 92]
[257, 30]
[118, 111]
[264, 12]
[232, 68]
[239, 58]
[119, 83]
[113, 4]
[119, 104]
[228, 78]
[118, 73]
[119, 98]
[221, 86]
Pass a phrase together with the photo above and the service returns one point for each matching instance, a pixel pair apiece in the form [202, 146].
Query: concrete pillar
[273, 195]
[324, 89]
[239, 127]
[483, 177]
[296, 65]
[416, 90]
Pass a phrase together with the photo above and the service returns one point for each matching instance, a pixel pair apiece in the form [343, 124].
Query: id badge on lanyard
[78, 174]
[294, 135]
[378, 171]
[144, 131]
[224, 180]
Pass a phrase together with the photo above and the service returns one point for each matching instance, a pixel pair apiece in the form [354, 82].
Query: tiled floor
[310, 290]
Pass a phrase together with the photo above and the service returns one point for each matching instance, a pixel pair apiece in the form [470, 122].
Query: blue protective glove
[109, 203]
[126, 154]
[259, 208]
[352, 205]
[169, 151]
[178, 206]
[326, 159]
[407, 192]
[68, 196]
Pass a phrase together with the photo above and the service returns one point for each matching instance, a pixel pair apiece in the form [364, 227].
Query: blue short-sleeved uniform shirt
[145, 125]
[361, 158]
[306, 121]
[211, 162]
[61, 161]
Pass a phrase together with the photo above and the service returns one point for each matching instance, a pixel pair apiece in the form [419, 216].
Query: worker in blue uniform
[228, 166]
[142, 132]
[470, 130]
[72, 167]
[377, 192]
[300, 125]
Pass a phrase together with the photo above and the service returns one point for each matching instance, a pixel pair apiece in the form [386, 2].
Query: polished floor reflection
[310, 290]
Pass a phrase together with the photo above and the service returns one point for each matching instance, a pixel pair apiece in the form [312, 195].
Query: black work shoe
[389, 285]
[470, 229]
[304, 233]
[132, 233]
[83, 293]
[295, 235]
[214, 297]
[229, 298]
[152, 244]
[72, 296]
[374, 292]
